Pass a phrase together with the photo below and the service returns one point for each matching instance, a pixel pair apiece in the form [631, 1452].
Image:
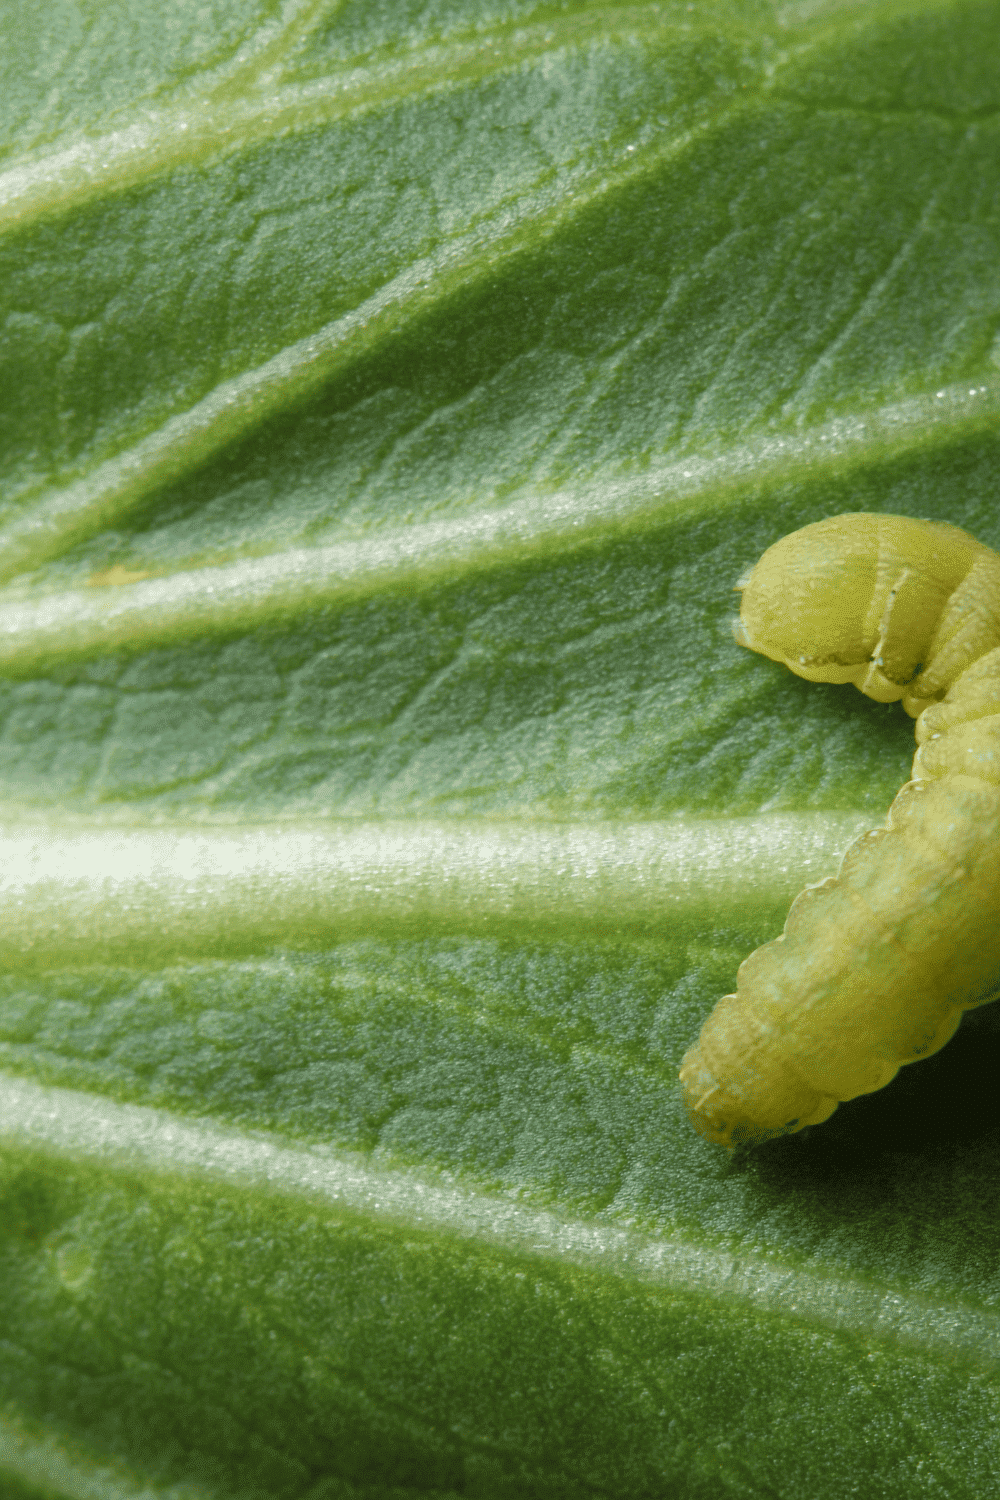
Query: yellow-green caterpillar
[875, 966]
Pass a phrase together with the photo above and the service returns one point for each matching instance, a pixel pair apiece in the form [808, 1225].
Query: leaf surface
[393, 395]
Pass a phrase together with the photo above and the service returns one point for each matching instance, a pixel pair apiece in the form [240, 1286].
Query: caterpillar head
[855, 598]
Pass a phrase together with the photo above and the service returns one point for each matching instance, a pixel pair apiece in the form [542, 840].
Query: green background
[393, 393]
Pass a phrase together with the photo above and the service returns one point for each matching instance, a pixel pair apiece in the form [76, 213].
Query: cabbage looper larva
[875, 966]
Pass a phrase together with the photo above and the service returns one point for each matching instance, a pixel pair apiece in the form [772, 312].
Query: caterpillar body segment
[875, 966]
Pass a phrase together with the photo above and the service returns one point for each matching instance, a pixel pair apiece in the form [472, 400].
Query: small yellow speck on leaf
[114, 576]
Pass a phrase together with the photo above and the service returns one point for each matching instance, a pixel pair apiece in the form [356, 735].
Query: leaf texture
[393, 394]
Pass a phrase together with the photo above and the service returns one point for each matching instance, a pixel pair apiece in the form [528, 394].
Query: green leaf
[393, 394]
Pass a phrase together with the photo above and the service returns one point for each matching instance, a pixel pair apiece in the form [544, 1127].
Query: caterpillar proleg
[876, 965]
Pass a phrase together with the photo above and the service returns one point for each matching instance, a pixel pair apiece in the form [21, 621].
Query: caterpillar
[875, 965]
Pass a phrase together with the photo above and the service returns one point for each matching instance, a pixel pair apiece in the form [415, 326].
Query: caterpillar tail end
[713, 1111]
[722, 1117]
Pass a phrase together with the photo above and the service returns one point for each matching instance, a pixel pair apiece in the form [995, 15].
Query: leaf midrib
[81, 891]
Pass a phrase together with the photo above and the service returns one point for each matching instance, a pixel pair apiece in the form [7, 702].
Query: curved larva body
[875, 967]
